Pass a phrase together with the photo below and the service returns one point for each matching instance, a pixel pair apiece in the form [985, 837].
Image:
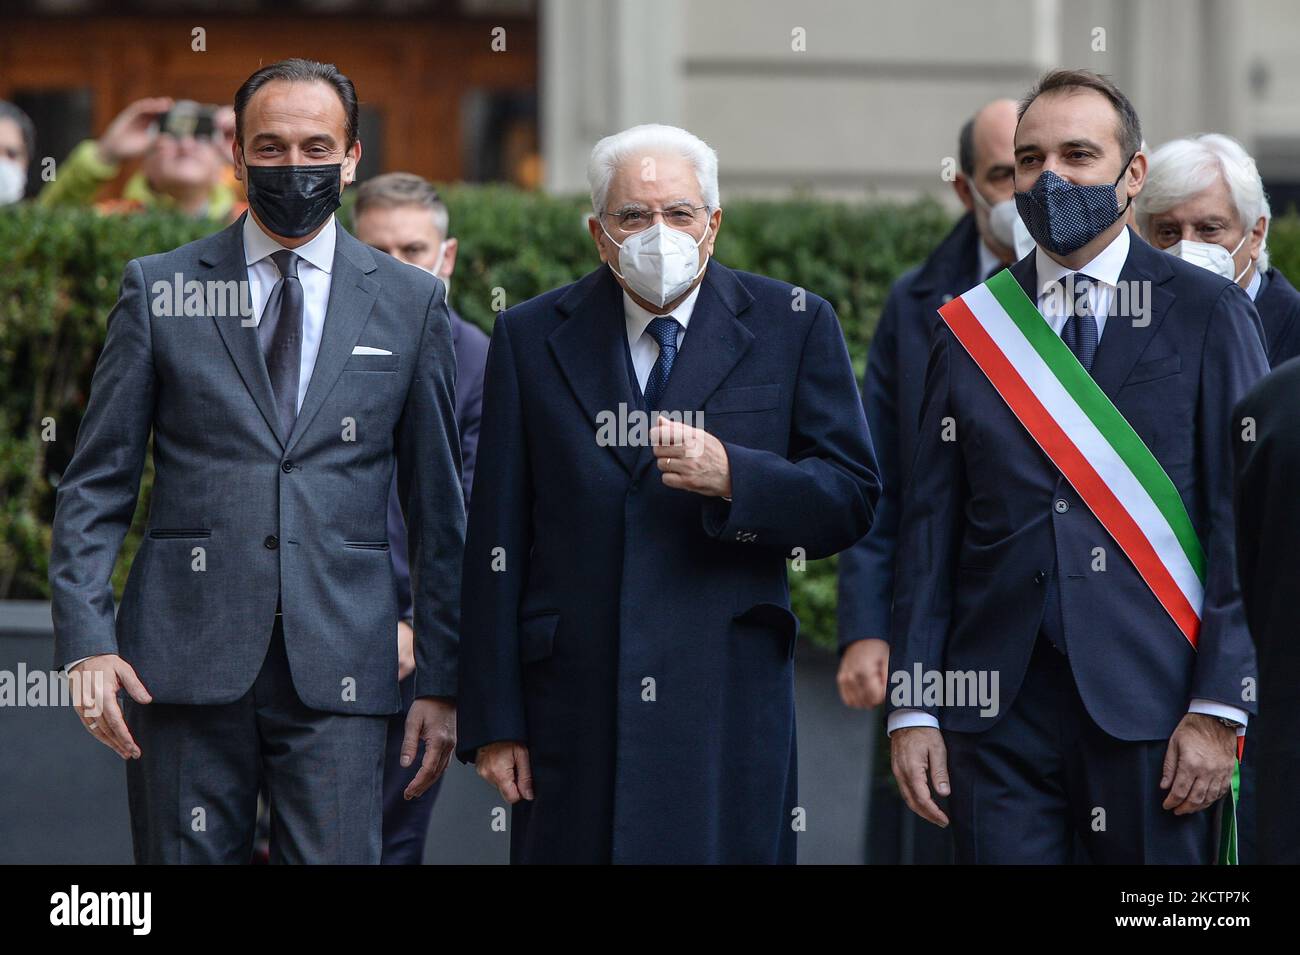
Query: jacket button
[1062, 506]
[286, 467]
[1039, 577]
[271, 542]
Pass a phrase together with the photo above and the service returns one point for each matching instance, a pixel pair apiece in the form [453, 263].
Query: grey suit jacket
[243, 517]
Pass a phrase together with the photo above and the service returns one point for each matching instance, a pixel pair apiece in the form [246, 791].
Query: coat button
[286, 467]
[1039, 577]
[1062, 506]
[271, 542]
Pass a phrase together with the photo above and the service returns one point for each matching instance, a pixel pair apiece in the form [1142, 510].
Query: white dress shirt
[1104, 270]
[644, 348]
[315, 263]
[987, 261]
[1256, 280]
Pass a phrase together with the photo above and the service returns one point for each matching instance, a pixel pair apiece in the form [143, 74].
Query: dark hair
[25, 126]
[300, 71]
[400, 189]
[966, 147]
[1129, 132]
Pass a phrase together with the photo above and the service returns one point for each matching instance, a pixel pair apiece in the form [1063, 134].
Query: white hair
[1182, 168]
[651, 139]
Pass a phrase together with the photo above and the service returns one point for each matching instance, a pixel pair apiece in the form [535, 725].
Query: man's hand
[691, 459]
[1198, 764]
[862, 677]
[914, 752]
[405, 650]
[433, 721]
[132, 133]
[98, 680]
[505, 765]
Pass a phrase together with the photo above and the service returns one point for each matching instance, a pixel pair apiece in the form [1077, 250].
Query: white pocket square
[367, 350]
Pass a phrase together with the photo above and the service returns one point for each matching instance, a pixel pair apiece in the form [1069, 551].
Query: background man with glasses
[627, 645]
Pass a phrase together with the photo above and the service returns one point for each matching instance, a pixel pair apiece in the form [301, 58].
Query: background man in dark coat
[1204, 201]
[1102, 703]
[401, 214]
[979, 244]
[628, 642]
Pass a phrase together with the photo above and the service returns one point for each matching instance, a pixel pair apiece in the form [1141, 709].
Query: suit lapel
[714, 342]
[590, 348]
[1127, 335]
[225, 263]
[352, 295]
[1026, 273]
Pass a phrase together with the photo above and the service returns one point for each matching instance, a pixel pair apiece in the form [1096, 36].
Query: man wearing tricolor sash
[1069, 527]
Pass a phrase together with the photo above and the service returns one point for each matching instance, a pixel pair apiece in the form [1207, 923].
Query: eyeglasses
[638, 220]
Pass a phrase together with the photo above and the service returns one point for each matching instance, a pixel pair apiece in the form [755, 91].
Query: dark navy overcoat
[637, 638]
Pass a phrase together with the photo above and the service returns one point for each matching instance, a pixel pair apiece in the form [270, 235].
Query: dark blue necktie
[280, 335]
[664, 330]
[1080, 331]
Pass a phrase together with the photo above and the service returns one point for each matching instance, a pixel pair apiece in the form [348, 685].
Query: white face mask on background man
[433, 270]
[1002, 218]
[659, 263]
[13, 182]
[1023, 242]
[1210, 255]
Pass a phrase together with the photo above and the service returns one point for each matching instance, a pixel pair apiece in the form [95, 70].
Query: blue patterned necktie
[1080, 331]
[664, 330]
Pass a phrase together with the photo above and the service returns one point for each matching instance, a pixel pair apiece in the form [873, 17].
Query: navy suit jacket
[891, 393]
[471, 348]
[1278, 304]
[991, 529]
[639, 638]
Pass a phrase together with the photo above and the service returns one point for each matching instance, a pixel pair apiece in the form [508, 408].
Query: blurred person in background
[184, 150]
[980, 244]
[1204, 201]
[401, 214]
[17, 148]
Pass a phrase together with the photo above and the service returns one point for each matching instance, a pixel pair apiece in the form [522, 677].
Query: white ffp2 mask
[13, 182]
[1211, 256]
[660, 263]
[1002, 217]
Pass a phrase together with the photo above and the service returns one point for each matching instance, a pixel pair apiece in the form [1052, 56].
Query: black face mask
[293, 201]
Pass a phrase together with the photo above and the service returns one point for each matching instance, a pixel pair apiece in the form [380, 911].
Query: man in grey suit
[254, 641]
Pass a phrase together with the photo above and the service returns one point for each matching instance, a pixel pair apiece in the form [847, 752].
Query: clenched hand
[505, 765]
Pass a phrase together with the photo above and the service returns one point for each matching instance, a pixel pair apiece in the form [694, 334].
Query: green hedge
[59, 274]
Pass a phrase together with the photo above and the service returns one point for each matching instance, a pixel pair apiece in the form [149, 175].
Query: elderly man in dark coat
[657, 439]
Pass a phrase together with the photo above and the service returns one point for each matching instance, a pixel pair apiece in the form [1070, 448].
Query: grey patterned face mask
[1064, 216]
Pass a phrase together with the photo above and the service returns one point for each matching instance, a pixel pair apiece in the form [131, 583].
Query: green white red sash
[1087, 438]
[1096, 450]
